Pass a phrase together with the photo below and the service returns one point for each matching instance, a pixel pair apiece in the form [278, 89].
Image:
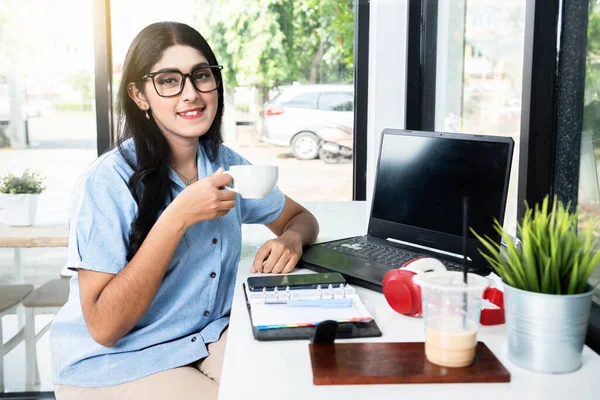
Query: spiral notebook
[273, 319]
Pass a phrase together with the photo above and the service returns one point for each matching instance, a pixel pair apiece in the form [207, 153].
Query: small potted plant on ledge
[21, 196]
[547, 297]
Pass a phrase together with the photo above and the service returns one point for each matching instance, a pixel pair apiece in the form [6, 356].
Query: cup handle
[228, 187]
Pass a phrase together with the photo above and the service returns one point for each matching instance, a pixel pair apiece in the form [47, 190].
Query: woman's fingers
[274, 257]
[226, 205]
[226, 195]
[291, 264]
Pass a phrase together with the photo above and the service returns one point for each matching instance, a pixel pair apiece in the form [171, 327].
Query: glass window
[276, 57]
[47, 124]
[589, 184]
[304, 46]
[336, 101]
[479, 74]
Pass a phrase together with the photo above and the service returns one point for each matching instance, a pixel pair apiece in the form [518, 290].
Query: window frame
[105, 137]
[552, 100]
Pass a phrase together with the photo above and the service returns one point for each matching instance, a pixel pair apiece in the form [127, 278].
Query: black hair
[150, 183]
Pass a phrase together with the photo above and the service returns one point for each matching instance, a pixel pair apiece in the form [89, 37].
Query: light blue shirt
[192, 305]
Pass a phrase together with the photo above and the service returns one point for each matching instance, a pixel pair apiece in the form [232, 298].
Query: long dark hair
[150, 183]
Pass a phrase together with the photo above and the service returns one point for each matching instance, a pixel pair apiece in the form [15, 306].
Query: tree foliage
[82, 81]
[267, 43]
[591, 113]
[593, 46]
[593, 52]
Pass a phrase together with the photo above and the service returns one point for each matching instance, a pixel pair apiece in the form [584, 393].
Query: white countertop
[282, 369]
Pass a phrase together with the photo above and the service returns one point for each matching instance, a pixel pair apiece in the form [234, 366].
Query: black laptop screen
[421, 182]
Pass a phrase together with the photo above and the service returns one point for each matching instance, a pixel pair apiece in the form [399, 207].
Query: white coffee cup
[253, 181]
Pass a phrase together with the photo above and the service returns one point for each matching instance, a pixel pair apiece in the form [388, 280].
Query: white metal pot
[546, 333]
[20, 209]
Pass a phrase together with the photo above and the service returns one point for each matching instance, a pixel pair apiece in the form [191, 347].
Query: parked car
[295, 116]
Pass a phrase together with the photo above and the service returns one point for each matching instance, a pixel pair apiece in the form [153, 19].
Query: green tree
[329, 25]
[593, 46]
[81, 81]
[593, 49]
[591, 114]
[268, 43]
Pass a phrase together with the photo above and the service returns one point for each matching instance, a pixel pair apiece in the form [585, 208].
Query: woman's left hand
[278, 255]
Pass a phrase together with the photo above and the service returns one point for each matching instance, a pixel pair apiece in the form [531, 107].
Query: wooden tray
[380, 363]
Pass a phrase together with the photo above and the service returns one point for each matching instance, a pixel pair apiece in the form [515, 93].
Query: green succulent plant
[554, 258]
[28, 183]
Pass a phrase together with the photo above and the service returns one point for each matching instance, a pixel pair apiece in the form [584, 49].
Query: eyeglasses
[169, 83]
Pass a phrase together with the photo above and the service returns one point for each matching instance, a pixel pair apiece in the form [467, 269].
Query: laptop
[417, 205]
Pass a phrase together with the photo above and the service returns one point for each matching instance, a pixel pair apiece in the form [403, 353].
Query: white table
[282, 370]
[32, 236]
[50, 229]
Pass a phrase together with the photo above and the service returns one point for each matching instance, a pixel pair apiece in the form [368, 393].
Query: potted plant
[21, 196]
[547, 296]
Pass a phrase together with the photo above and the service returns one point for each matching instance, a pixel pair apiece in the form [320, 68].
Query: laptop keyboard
[380, 253]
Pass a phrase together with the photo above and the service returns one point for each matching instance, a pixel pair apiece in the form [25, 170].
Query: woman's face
[190, 113]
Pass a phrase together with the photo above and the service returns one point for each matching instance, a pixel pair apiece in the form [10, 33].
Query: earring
[147, 115]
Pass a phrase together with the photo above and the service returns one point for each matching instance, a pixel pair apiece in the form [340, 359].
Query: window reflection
[479, 74]
[589, 184]
[47, 124]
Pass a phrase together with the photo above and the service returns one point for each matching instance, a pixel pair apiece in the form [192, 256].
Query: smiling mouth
[192, 113]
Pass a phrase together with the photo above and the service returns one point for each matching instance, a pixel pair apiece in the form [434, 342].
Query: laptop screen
[422, 178]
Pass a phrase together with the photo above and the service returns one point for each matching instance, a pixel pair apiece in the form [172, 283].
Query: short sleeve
[255, 211]
[102, 210]
[263, 211]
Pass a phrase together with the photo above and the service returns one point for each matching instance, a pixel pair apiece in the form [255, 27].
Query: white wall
[387, 75]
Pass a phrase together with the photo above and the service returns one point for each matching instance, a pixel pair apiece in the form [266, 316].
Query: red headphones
[404, 295]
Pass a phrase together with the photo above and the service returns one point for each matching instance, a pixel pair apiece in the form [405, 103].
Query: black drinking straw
[465, 235]
[465, 238]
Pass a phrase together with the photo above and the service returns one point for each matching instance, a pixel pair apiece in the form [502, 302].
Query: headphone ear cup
[401, 293]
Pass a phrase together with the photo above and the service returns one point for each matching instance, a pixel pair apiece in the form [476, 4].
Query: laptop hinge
[447, 253]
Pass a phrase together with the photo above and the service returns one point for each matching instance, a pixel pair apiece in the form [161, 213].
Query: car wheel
[305, 146]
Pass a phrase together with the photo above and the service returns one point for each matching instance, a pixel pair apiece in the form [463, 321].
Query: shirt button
[206, 313]
[213, 274]
[215, 241]
[194, 339]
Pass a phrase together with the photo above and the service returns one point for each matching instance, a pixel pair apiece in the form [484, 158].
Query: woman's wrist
[303, 228]
[294, 236]
[174, 218]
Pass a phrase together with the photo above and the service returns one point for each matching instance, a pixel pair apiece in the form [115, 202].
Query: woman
[155, 239]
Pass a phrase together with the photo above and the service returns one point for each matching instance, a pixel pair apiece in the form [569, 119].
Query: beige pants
[195, 381]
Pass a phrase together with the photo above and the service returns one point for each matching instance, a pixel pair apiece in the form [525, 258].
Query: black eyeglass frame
[151, 75]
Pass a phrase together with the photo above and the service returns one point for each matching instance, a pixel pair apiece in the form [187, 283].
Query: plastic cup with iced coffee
[451, 310]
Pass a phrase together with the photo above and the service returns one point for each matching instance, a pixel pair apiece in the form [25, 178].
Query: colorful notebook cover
[276, 328]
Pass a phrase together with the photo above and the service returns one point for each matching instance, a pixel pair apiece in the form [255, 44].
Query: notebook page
[272, 316]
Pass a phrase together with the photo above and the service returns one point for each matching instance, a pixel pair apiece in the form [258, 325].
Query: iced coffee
[451, 310]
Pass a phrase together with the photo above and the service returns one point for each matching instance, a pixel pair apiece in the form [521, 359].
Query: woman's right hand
[205, 199]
